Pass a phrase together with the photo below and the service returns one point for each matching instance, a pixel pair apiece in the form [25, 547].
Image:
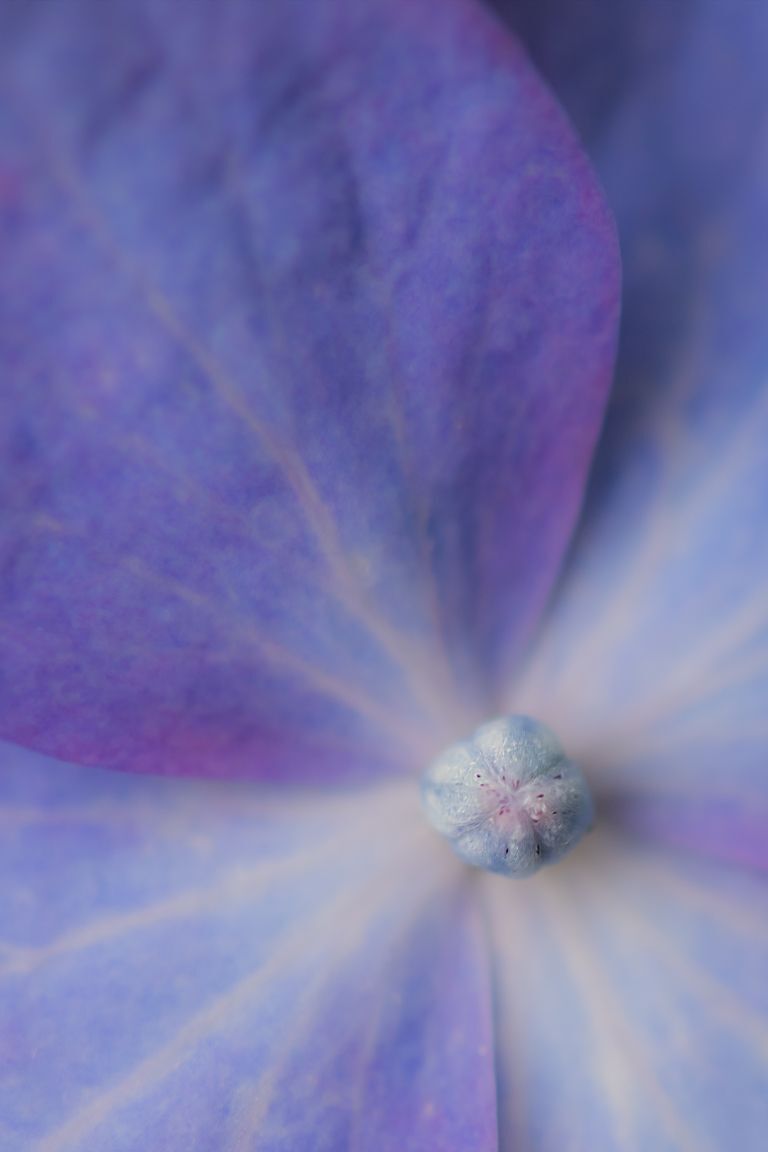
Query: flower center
[508, 799]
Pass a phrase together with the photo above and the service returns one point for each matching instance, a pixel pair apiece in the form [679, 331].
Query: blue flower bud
[508, 799]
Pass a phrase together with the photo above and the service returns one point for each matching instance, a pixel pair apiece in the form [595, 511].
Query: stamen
[508, 799]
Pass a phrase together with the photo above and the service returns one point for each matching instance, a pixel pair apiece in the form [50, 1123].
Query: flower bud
[508, 799]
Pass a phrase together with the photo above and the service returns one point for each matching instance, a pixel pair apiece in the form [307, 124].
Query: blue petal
[306, 320]
[637, 1017]
[632, 1005]
[654, 666]
[198, 966]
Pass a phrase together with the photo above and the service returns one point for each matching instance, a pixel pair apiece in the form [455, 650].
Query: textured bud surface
[508, 799]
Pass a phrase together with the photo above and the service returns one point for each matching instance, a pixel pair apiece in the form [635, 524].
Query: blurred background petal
[196, 965]
[306, 318]
[654, 663]
[632, 1004]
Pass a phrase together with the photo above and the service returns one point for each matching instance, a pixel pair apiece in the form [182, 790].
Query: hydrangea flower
[307, 321]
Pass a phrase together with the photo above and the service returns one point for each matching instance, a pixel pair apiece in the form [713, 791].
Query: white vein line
[356, 831]
[196, 806]
[312, 998]
[651, 876]
[317, 516]
[431, 675]
[241, 884]
[358, 1137]
[664, 526]
[625, 1063]
[743, 1022]
[746, 671]
[176, 1051]
[677, 687]
[278, 657]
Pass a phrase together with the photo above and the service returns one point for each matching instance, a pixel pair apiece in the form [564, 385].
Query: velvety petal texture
[654, 665]
[196, 966]
[632, 1004]
[306, 322]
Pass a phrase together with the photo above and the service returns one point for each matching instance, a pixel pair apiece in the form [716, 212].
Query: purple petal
[198, 966]
[654, 666]
[306, 320]
[632, 1005]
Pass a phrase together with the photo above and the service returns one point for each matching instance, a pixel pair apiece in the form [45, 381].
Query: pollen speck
[513, 827]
